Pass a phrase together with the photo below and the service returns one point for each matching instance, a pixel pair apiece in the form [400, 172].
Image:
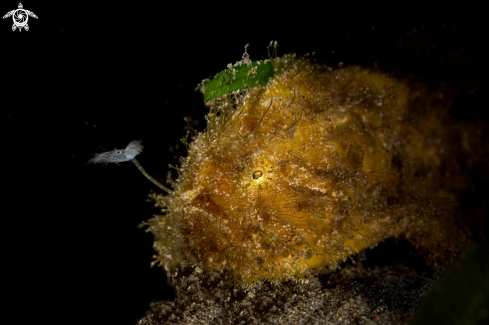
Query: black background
[90, 77]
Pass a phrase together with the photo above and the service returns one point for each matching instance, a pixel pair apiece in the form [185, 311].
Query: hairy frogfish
[312, 168]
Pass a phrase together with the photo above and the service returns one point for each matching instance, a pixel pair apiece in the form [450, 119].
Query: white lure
[133, 149]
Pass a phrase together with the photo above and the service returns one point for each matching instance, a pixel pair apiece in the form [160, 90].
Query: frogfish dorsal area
[313, 168]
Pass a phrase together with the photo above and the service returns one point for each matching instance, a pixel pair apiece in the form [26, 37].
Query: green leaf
[238, 77]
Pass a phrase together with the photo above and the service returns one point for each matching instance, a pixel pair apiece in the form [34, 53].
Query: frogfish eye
[118, 152]
[257, 174]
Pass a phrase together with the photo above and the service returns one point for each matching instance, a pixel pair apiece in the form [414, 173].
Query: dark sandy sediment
[352, 295]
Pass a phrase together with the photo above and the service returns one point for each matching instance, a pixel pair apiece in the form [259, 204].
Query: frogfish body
[313, 168]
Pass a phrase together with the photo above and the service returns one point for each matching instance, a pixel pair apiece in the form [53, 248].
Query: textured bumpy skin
[347, 158]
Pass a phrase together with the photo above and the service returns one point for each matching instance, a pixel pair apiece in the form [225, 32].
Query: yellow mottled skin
[348, 158]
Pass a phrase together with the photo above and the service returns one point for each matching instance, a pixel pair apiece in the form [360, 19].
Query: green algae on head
[243, 74]
[309, 169]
